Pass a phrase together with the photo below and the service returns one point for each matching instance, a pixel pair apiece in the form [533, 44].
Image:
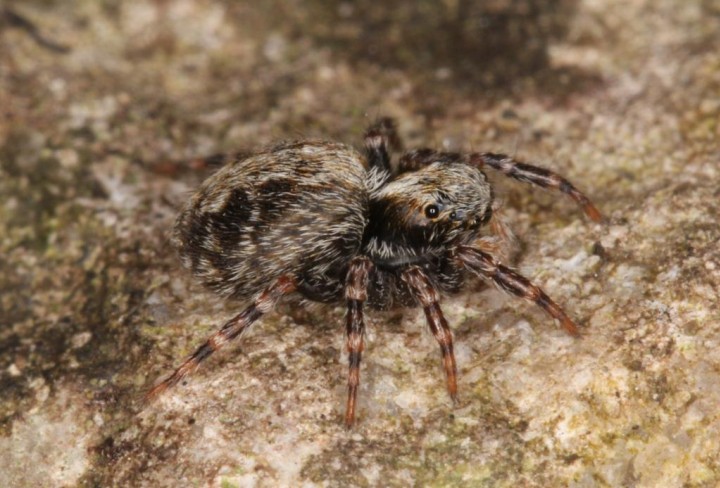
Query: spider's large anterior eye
[432, 211]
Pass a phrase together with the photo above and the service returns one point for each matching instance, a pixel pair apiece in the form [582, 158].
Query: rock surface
[101, 100]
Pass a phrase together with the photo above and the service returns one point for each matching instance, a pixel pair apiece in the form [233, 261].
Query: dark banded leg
[355, 293]
[419, 158]
[485, 266]
[262, 304]
[537, 176]
[380, 139]
[427, 295]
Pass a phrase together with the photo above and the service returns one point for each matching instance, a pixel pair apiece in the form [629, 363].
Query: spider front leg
[536, 176]
[355, 294]
[424, 291]
[262, 304]
[528, 173]
[486, 266]
[419, 158]
[380, 139]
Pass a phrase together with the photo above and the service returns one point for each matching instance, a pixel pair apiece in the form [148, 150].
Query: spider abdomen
[296, 208]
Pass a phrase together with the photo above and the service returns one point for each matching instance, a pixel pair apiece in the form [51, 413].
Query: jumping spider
[329, 223]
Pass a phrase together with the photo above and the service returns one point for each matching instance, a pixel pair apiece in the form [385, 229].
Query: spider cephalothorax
[422, 213]
[328, 223]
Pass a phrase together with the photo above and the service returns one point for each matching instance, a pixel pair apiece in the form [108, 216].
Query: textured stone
[623, 98]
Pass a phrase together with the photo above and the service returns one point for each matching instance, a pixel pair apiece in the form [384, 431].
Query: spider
[328, 223]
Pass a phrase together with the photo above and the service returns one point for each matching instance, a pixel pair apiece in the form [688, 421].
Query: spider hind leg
[234, 327]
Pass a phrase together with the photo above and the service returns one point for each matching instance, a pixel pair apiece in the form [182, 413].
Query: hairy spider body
[329, 223]
[296, 208]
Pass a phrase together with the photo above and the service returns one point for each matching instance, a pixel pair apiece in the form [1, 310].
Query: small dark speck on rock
[571, 458]
[599, 250]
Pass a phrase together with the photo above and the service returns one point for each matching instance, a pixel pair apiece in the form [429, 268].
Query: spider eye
[453, 215]
[432, 211]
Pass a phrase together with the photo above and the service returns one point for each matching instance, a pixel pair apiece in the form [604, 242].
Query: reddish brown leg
[355, 294]
[427, 295]
[262, 304]
[537, 176]
[485, 266]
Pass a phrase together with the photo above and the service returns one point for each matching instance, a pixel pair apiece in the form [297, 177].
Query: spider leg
[485, 265]
[262, 304]
[355, 294]
[419, 158]
[427, 295]
[501, 240]
[535, 175]
[380, 139]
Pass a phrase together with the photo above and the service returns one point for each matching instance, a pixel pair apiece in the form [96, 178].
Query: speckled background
[102, 105]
